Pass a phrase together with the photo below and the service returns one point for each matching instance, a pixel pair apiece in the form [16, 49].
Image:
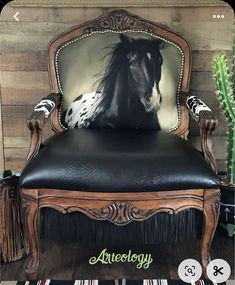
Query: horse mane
[116, 63]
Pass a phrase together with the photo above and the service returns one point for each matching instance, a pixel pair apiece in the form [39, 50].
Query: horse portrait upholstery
[129, 67]
[119, 108]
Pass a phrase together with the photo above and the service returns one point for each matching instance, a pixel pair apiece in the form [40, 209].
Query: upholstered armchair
[119, 107]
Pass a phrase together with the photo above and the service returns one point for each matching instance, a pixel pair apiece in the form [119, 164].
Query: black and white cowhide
[46, 106]
[83, 109]
[196, 105]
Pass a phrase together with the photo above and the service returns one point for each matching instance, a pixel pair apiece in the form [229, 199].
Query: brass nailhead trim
[118, 32]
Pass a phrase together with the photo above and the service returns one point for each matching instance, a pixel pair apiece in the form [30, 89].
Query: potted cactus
[225, 84]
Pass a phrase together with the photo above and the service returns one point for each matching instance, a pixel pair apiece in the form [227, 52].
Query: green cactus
[225, 83]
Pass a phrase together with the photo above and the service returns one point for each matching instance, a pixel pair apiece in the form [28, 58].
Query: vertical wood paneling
[2, 161]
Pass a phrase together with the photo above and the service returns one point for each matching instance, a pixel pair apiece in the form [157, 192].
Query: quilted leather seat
[107, 160]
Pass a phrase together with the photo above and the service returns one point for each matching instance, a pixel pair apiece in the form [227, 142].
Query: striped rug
[117, 282]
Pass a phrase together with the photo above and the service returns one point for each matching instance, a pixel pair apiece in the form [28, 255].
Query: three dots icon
[218, 16]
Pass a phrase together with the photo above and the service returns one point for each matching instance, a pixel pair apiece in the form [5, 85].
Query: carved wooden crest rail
[119, 20]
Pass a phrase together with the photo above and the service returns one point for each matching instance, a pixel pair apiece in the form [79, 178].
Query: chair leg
[31, 223]
[210, 220]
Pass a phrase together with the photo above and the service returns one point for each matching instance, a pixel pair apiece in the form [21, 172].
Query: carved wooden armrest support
[37, 120]
[207, 123]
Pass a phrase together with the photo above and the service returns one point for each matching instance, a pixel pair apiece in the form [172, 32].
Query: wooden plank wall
[23, 61]
[2, 161]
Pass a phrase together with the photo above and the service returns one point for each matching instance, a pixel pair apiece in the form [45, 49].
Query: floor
[70, 261]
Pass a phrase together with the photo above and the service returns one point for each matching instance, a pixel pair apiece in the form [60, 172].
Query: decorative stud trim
[91, 32]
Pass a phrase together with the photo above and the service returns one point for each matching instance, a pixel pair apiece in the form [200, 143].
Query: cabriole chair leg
[30, 203]
[210, 221]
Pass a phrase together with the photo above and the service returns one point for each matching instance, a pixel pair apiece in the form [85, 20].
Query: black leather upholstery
[107, 160]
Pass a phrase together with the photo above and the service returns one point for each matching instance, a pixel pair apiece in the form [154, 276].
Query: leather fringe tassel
[160, 228]
[11, 229]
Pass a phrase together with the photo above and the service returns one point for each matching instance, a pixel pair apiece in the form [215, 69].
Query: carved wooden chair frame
[120, 208]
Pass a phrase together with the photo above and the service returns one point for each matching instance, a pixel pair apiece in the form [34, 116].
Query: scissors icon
[217, 270]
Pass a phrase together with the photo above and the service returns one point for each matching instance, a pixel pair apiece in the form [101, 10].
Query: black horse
[130, 86]
[128, 94]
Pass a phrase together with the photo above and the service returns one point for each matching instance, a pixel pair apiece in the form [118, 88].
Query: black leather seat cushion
[107, 160]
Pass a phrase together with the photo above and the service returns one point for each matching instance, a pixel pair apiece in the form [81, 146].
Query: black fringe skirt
[159, 228]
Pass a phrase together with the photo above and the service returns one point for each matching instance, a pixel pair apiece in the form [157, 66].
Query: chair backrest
[117, 65]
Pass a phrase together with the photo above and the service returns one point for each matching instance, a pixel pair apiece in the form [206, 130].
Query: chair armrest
[38, 118]
[43, 110]
[207, 124]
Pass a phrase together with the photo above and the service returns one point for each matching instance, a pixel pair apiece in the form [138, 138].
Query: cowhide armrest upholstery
[207, 123]
[43, 110]
[38, 118]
